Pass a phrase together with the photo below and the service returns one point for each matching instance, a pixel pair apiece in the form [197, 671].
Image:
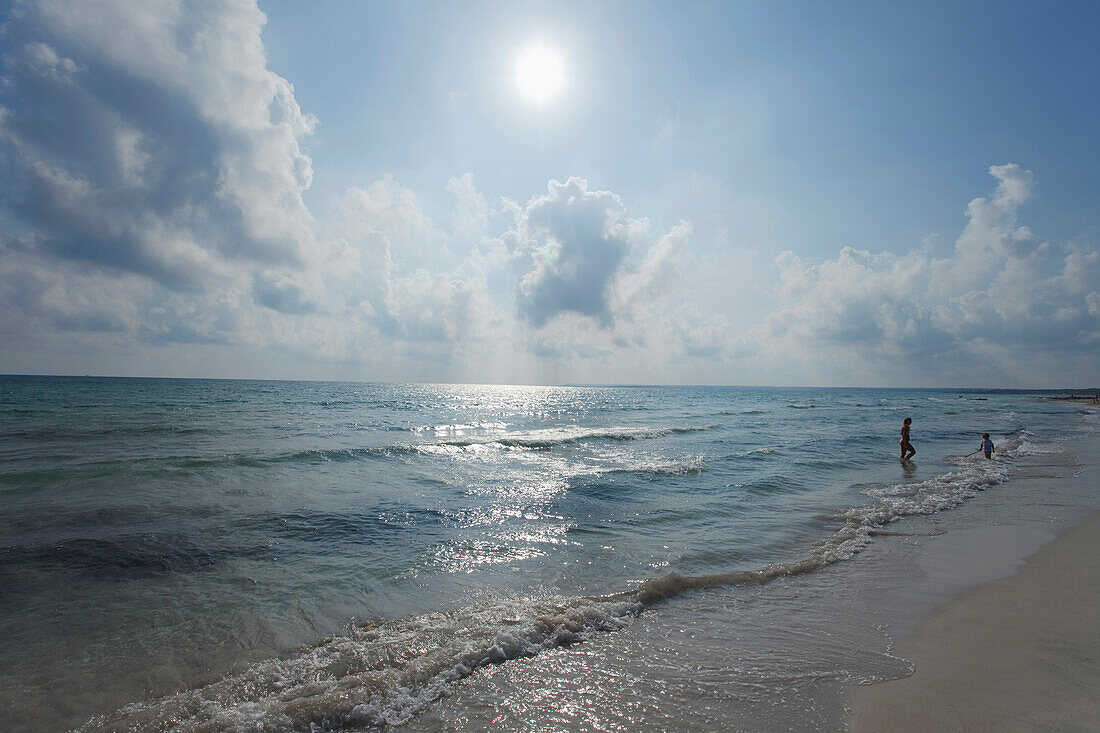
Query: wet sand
[1018, 654]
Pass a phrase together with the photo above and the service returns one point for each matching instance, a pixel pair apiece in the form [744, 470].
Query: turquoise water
[289, 554]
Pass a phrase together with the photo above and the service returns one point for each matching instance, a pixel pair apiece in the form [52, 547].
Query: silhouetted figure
[907, 449]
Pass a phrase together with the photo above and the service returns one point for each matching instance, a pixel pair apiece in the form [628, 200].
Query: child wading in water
[907, 449]
[987, 445]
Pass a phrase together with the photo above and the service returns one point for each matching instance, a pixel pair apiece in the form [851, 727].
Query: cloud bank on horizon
[154, 222]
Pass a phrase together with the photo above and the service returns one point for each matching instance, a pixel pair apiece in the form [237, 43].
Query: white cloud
[574, 241]
[471, 215]
[404, 295]
[387, 207]
[1003, 303]
[154, 199]
[657, 271]
[151, 138]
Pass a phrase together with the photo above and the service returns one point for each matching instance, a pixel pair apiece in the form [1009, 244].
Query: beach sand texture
[1018, 654]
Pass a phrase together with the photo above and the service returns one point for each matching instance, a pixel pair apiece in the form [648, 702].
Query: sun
[539, 73]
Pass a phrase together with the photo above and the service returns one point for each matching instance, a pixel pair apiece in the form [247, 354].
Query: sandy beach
[1014, 654]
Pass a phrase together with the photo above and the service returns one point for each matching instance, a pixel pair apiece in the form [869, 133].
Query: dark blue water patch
[840, 444]
[23, 411]
[599, 529]
[660, 516]
[75, 472]
[821, 465]
[61, 433]
[603, 488]
[338, 527]
[746, 454]
[67, 519]
[774, 484]
[404, 515]
[123, 557]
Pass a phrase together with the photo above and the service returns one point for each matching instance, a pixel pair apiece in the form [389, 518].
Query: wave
[459, 427]
[685, 467]
[554, 437]
[379, 674]
[1028, 447]
[324, 455]
[532, 440]
[383, 674]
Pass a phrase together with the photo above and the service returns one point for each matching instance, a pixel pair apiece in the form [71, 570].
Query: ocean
[208, 555]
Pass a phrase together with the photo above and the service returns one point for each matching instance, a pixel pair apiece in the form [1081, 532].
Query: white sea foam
[553, 437]
[1028, 448]
[458, 428]
[897, 501]
[687, 466]
[377, 674]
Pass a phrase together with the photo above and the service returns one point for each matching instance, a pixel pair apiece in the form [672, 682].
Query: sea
[232, 555]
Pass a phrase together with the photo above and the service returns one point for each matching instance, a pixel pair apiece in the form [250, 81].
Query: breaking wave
[552, 437]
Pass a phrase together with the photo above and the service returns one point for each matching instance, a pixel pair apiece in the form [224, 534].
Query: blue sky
[856, 111]
[742, 193]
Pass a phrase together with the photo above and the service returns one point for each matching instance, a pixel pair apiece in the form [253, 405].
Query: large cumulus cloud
[570, 282]
[594, 286]
[575, 241]
[1003, 301]
[151, 139]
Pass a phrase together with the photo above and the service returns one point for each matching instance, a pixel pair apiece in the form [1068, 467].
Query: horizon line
[1093, 390]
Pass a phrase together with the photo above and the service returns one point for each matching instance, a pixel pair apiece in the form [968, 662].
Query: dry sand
[1019, 654]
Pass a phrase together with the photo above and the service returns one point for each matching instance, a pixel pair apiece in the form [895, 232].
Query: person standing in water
[987, 446]
[907, 449]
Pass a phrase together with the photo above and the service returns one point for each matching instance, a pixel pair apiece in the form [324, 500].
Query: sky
[746, 193]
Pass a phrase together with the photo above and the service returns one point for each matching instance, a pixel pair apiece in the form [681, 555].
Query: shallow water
[290, 554]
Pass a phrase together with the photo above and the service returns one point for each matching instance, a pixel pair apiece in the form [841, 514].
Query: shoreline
[1018, 653]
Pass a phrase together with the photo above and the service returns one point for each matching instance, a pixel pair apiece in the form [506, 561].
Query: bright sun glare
[540, 73]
